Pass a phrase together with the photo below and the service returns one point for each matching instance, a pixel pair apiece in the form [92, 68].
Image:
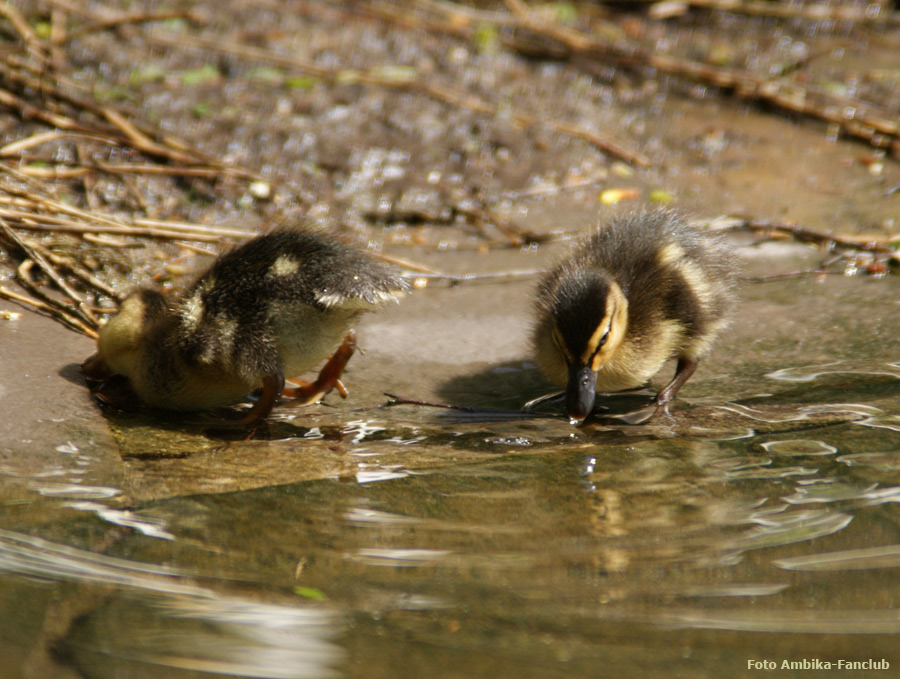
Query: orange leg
[683, 372]
[272, 386]
[329, 376]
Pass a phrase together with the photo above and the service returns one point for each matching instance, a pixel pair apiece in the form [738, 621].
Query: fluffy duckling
[634, 294]
[272, 308]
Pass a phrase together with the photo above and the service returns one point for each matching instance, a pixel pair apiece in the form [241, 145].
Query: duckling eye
[603, 339]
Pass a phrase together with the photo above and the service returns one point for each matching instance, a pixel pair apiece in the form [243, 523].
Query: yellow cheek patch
[615, 323]
[593, 349]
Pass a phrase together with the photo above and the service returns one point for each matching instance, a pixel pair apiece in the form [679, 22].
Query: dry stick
[49, 270]
[88, 166]
[405, 263]
[23, 275]
[161, 234]
[74, 323]
[126, 19]
[15, 147]
[42, 202]
[77, 270]
[815, 236]
[516, 235]
[56, 172]
[27, 112]
[457, 279]
[24, 29]
[58, 20]
[402, 400]
[788, 274]
[778, 10]
[88, 182]
[171, 149]
[142, 142]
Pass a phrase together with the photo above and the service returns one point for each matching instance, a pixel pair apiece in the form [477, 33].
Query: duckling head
[123, 339]
[590, 318]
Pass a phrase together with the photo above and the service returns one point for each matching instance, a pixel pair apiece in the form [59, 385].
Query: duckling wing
[307, 268]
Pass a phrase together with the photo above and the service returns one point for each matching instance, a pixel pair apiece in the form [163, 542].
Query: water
[758, 525]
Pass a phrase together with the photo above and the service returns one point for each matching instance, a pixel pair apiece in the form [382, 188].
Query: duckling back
[282, 300]
[669, 272]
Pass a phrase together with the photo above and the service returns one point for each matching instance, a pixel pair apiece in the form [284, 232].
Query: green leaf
[202, 110]
[310, 593]
[661, 197]
[300, 82]
[43, 29]
[266, 74]
[487, 40]
[198, 76]
[565, 12]
[146, 73]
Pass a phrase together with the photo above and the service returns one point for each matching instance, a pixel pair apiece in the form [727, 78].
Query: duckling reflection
[274, 307]
[642, 290]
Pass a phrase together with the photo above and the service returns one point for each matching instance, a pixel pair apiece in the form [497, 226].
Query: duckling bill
[272, 308]
[642, 290]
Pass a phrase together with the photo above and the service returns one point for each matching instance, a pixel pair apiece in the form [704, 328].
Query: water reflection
[154, 620]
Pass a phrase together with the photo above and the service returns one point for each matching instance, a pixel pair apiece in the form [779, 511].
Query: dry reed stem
[48, 269]
[37, 305]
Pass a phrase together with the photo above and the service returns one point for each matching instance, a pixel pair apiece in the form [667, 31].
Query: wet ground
[361, 538]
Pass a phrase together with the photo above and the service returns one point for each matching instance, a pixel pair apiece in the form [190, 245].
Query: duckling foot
[683, 372]
[329, 376]
[272, 386]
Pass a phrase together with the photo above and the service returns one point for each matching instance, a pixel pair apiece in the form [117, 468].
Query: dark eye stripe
[599, 346]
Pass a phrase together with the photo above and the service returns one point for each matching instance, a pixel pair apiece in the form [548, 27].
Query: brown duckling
[642, 290]
[272, 308]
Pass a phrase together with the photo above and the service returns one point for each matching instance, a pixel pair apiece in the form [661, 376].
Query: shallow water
[759, 523]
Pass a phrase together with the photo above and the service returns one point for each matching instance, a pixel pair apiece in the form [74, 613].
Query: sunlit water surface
[760, 524]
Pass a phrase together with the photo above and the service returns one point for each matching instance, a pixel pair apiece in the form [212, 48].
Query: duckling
[273, 307]
[642, 290]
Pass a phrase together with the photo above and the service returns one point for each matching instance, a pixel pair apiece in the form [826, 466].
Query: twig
[77, 270]
[72, 322]
[142, 142]
[401, 400]
[457, 279]
[48, 269]
[15, 147]
[779, 10]
[815, 236]
[127, 19]
[790, 274]
[405, 263]
[147, 232]
[22, 27]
